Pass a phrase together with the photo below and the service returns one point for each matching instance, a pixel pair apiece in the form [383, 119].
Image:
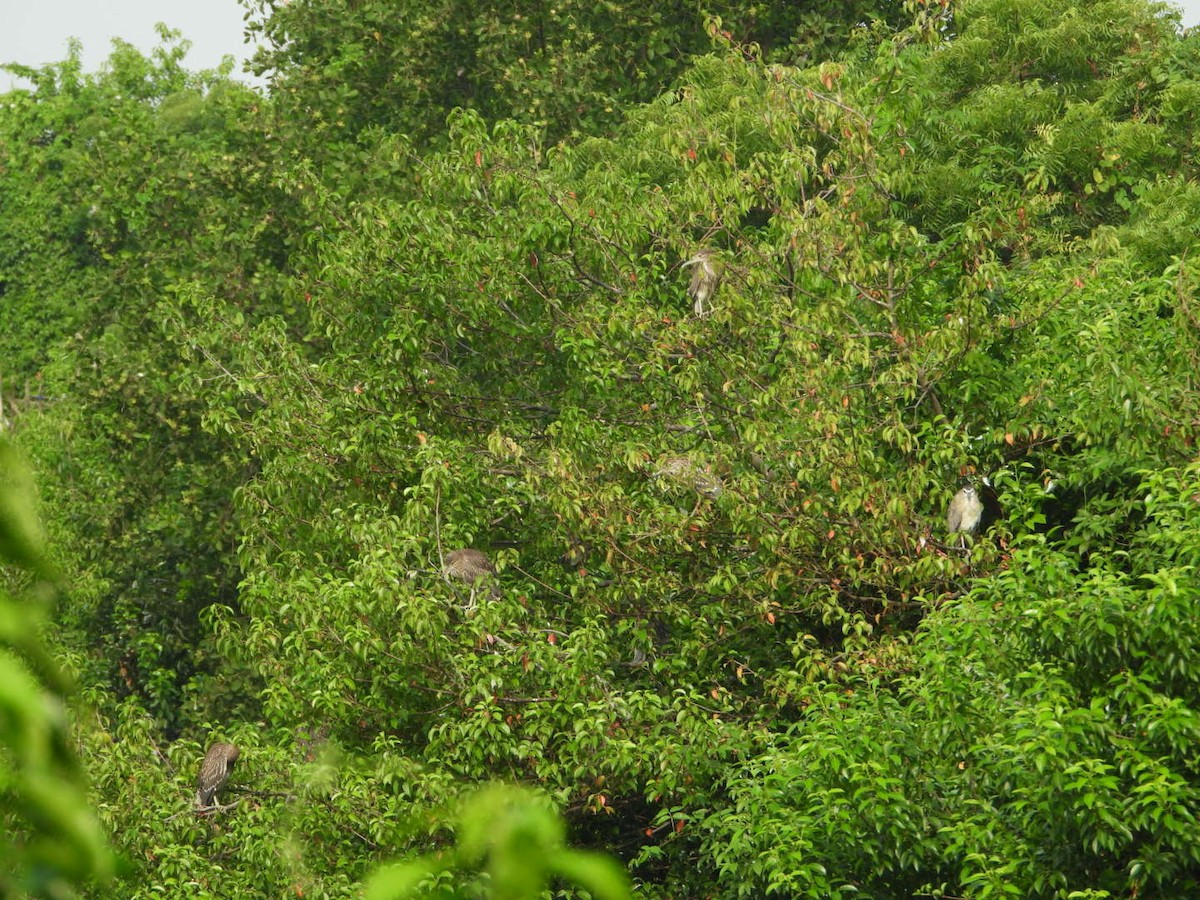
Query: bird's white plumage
[965, 511]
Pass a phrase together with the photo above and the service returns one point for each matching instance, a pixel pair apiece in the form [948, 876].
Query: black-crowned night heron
[706, 278]
[965, 511]
[576, 554]
[473, 568]
[214, 772]
[682, 470]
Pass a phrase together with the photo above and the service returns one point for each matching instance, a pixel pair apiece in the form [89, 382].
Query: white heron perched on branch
[965, 512]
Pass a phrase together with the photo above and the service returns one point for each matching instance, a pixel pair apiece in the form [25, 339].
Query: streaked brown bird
[214, 772]
[706, 278]
[473, 568]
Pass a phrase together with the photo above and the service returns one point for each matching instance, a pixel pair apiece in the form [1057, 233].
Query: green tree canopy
[733, 642]
[567, 67]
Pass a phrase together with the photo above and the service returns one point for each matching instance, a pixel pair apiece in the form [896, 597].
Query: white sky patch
[35, 32]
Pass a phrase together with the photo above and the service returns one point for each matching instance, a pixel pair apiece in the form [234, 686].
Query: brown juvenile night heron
[706, 278]
[214, 772]
[475, 569]
[966, 509]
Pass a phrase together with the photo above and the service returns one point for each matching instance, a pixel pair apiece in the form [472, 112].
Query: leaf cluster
[335, 333]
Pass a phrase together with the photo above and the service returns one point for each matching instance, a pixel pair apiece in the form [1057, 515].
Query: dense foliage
[567, 67]
[293, 350]
[52, 840]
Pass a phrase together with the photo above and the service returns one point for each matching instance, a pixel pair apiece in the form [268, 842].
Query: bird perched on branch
[475, 569]
[682, 470]
[706, 278]
[576, 554]
[966, 509]
[214, 772]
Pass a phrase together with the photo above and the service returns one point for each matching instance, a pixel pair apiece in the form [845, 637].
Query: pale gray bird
[965, 511]
[706, 278]
[214, 772]
[683, 470]
[475, 569]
